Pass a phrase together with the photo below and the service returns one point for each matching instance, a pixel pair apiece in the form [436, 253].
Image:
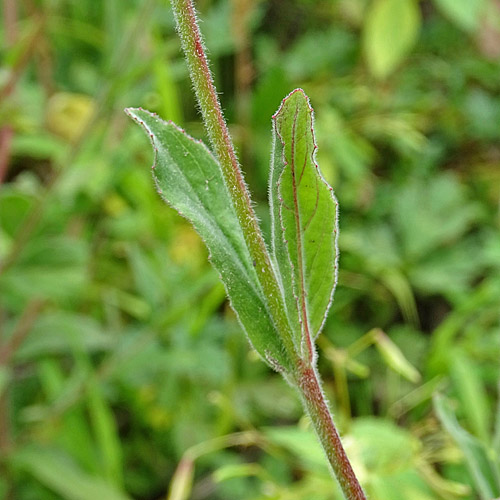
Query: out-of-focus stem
[23, 327]
[6, 132]
[7, 350]
[6, 136]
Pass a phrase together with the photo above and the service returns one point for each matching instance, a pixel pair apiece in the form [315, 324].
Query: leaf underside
[189, 178]
[304, 219]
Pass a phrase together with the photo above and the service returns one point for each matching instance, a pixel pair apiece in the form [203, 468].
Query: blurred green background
[123, 372]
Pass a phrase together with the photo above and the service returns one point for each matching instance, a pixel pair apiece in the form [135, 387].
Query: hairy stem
[218, 133]
[315, 403]
[305, 375]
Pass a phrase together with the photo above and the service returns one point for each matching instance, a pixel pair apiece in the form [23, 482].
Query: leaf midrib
[300, 257]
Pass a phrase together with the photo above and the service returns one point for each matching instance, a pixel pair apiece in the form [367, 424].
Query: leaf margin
[276, 357]
[278, 240]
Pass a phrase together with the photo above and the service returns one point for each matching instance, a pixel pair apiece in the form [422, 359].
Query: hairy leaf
[189, 178]
[304, 219]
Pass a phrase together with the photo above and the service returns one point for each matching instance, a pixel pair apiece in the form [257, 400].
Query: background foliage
[123, 373]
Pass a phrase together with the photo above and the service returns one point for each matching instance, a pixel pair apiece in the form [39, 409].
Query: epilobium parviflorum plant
[281, 293]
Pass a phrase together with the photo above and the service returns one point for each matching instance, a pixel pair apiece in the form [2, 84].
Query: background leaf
[464, 13]
[484, 467]
[390, 31]
[59, 474]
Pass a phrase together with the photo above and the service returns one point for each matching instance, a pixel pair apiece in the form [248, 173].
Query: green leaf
[484, 468]
[383, 447]
[466, 378]
[300, 442]
[464, 13]
[496, 432]
[52, 267]
[5, 375]
[57, 472]
[189, 178]
[394, 358]
[388, 456]
[391, 28]
[429, 214]
[15, 207]
[73, 435]
[106, 433]
[304, 219]
[61, 333]
[231, 471]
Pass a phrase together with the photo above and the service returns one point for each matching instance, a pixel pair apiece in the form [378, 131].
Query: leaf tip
[129, 112]
[299, 93]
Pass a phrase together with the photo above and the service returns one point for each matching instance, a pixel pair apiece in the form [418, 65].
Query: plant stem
[218, 133]
[304, 372]
[7, 132]
[315, 403]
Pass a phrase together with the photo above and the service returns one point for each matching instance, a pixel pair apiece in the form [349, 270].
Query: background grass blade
[481, 461]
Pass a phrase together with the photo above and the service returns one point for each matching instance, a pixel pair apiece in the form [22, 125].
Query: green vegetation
[124, 373]
[281, 294]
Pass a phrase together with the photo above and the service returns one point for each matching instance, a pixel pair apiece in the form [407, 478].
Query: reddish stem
[304, 372]
[6, 133]
[317, 407]
[6, 136]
